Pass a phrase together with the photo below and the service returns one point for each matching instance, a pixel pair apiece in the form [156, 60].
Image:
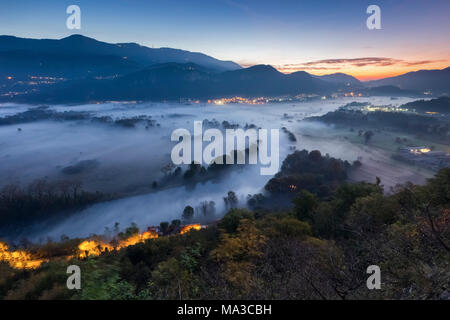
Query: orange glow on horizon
[367, 70]
[359, 75]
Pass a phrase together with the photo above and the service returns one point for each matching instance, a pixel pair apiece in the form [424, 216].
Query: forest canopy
[318, 249]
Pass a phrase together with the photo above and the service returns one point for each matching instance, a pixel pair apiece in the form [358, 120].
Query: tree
[315, 156]
[231, 201]
[131, 230]
[237, 256]
[175, 225]
[284, 227]
[167, 168]
[304, 205]
[188, 214]
[168, 278]
[208, 209]
[367, 136]
[231, 220]
[164, 227]
[194, 168]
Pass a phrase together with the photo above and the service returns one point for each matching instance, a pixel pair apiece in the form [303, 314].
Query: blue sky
[281, 33]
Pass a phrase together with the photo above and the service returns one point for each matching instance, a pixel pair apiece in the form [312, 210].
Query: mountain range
[436, 81]
[77, 56]
[80, 69]
[341, 78]
[173, 81]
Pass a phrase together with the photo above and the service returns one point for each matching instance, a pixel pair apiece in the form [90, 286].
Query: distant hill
[340, 78]
[393, 91]
[265, 80]
[436, 81]
[22, 64]
[440, 105]
[175, 81]
[78, 56]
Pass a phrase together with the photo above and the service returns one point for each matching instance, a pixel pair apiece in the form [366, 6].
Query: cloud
[339, 64]
[416, 63]
[359, 62]
[294, 67]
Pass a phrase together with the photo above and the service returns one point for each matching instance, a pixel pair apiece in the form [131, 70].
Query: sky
[317, 36]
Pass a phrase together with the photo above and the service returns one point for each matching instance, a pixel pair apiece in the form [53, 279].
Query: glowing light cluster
[353, 94]
[19, 259]
[93, 248]
[385, 109]
[260, 100]
[419, 150]
[137, 238]
[186, 229]
[97, 247]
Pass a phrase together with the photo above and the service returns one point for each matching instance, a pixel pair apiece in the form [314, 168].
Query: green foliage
[190, 258]
[101, 281]
[276, 226]
[318, 250]
[237, 256]
[231, 220]
[176, 277]
[131, 230]
[49, 283]
[371, 213]
[438, 188]
[304, 205]
[328, 218]
[303, 170]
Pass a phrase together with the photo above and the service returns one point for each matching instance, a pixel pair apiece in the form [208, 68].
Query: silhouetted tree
[164, 227]
[367, 136]
[231, 201]
[188, 214]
